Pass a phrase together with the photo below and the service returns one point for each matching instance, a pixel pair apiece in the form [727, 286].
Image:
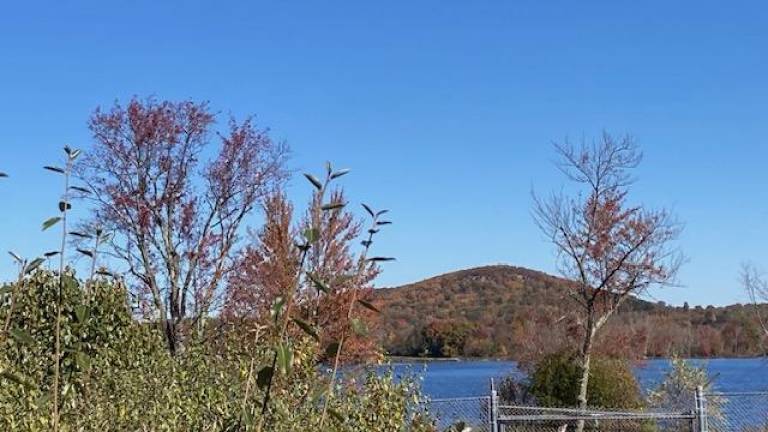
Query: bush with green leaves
[94, 330]
[555, 383]
[117, 374]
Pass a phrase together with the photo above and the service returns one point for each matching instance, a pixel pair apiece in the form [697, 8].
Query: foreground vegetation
[118, 375]
[182, 323]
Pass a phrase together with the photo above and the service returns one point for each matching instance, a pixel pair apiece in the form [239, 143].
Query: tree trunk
[586, 357]
[170, 336]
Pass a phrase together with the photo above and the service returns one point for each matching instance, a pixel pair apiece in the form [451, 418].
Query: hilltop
[501, 311]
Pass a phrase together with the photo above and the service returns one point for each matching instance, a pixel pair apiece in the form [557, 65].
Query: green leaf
[51, 254]
[246, 418]
[16, 257]
[307, 328]
[82, 360]
[318, 283]
[359, 327]
[315, 182]
[339, 173]
[81, 313]
[43, 401]
[368, 305]
[277, 307]
[264, 376]
[335, 414]
[33, 265]
[369, 210]
[85, 252]
[51, 222]
[5, 289]
[331, 350]
[80, 189]
[317, 393]
[284, 358]
[381, 212]
[80, 235]
[3, 175]
[383, 222]
[22, 337]
[54, 169]
[380, 259]
[17, 378]
[311, 234]
[333, 206]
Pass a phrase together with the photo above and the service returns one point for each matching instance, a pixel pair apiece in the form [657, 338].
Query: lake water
[447, 379]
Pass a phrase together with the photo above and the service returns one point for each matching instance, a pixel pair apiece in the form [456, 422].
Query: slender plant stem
[57, 354]
[337, 359]
[289, 302]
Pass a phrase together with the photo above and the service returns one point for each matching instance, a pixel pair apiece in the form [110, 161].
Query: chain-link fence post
[494, 408]
[701, 410]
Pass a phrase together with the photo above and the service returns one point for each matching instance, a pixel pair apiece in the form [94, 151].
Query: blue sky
[445, 110]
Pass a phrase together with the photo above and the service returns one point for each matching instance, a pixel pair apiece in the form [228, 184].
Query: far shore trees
[174, 192]
[756, 286]
[610, 248]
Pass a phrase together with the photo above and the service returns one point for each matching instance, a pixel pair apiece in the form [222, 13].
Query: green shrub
[118, 375]
[555, 383]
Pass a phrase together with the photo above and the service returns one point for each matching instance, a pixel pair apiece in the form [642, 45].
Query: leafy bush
[555, 382]
[118, 375]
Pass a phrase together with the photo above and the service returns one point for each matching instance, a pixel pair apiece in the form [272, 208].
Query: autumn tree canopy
[612, 249]
[175, 191]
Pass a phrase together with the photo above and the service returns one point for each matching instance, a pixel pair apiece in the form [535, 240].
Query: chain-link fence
[736, 412]
[710, 412]
[540, 419]
[460, 413]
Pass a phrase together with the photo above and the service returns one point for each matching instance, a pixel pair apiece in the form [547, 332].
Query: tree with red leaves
[176, 216]
[610, 249]
[267, 270]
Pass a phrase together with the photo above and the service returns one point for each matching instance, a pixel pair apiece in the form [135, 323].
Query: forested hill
[504, 311]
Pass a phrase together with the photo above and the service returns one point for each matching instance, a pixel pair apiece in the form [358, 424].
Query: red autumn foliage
[610, 249]
[269, 268]
[177, 216]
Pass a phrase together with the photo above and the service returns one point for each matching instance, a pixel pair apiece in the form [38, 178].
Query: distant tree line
[519, 314]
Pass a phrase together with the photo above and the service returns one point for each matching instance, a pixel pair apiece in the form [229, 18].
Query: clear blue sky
[444, 109]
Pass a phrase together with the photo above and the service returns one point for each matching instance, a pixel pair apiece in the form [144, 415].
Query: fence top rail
[594, 416]
[737, 393]
[589, 411]
[461, 399]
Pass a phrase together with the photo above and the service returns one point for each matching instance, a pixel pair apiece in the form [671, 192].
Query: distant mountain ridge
[493, 311]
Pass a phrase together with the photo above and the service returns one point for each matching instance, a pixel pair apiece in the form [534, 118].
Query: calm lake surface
[447, 379]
